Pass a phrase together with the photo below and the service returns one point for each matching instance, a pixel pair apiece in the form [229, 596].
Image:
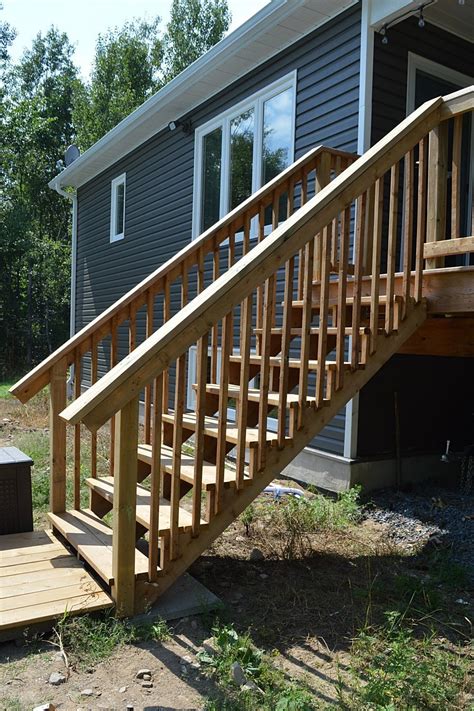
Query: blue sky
[84, 20]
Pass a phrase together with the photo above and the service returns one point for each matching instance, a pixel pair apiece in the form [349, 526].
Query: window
[117, 209]
[241, 150]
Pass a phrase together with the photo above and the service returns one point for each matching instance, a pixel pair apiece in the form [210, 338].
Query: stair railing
[101, 344]
[270, 294]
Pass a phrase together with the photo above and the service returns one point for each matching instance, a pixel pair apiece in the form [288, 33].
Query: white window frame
[223, 121]
[116, 182]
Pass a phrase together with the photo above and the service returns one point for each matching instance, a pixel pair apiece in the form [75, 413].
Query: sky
[84, 20]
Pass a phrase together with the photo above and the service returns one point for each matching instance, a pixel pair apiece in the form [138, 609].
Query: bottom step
[92, 539]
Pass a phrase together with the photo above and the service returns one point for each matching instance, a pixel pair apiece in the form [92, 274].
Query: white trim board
[439, 71]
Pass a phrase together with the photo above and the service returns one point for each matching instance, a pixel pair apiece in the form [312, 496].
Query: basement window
[117, 209]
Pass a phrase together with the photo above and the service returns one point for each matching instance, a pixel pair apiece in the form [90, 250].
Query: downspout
[72, 314]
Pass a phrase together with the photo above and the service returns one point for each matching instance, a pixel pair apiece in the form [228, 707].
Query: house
[243, 282]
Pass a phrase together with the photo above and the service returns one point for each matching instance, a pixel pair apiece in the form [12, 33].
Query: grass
[270, 690]
[4, 388]
[88, 640]
[393, 668]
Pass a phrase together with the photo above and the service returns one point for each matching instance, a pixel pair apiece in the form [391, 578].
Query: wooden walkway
[40, 580]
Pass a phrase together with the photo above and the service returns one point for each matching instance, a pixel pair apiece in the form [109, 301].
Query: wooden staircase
[256, 335]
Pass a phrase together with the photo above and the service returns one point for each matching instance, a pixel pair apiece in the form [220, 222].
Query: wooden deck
[40, 580]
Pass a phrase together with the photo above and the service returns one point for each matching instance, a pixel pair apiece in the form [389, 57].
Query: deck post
[57, 437]
[437, 189]
[124, 511]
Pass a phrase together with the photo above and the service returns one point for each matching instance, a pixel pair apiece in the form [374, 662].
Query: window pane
[211, 178]
[277, 137]
[241, 157]
[119, 203]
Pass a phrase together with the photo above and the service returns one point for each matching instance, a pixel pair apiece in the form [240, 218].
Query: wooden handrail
[101, 326]
[152, 357]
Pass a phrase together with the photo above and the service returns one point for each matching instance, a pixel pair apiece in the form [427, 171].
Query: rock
[263, 576]
[45, 707]
[141, 673]
[237, 673]
[123, 689]
[194, 624]
[209, 646]
[147, 677]
[250, 686]
[56, 678]
[184, 670]
[186, 659]
[87, 692]
[58, 657]
[256, 554]
[147, 684]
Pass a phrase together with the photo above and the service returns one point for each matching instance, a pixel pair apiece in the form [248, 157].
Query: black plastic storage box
[16, 509]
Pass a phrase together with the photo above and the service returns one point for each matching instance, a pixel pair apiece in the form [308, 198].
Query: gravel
[428, 514]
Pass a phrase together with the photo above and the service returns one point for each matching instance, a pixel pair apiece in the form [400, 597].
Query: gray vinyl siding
[159, 193]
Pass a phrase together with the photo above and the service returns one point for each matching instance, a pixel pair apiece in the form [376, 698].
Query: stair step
[105, 487]
[275, 361]
[187, 467]
[92, 539]
[314, 331]
[255, 395]
[364, 301]
[211, 426]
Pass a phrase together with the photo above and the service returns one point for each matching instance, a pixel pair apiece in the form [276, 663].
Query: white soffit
[447, 14]
[278, 25]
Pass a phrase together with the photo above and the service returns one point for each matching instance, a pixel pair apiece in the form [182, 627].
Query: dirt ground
[305, 612]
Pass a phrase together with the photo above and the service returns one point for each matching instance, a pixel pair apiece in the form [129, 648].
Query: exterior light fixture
[172, 125]
[186, 126]
[421, 21]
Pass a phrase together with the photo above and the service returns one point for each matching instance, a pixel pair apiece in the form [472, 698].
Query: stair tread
[255, 395]
[187, 467]
[92, 539]
[211, 426]
[105, 487]
[275, 361]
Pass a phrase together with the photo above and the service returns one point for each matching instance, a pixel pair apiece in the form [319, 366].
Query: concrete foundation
[334, 473]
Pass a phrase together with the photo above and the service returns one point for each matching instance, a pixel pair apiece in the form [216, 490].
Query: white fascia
[382, 11]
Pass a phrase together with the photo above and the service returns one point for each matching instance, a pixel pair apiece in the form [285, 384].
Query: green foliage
[125, 73]
[248, 517]
[294, 519]
[88, 640]
[403, 672]
[194, 27]
[272, 693]
[4, 388]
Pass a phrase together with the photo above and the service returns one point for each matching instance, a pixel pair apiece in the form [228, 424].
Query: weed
[248, 517]
[4, 388]
[157, 631]
[403, 672]
[446, 571]
[11, 705]
[294, 519]
[272, 692]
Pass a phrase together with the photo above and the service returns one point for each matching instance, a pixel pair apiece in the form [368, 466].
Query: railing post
[323, 177]
[57, 436]
[437, 189]
[125, 492]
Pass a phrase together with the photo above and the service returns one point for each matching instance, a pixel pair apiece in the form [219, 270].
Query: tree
[34, 221]
[194, 27]
[125, 73]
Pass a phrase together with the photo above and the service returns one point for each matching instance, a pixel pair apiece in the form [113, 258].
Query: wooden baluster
[201, 380]
[323, 177]
[275, 221]
[369, 231]
[113, 362]
[179, 408]
[132, 328]
[323, 313]
[302, 252]
[456, 178]
[57, 436]
[242, 401]
[305, 332]
[94, 375]
[290, 200]
[150, 309]
[215, 328]
[260, 289]
[407, 230]
[358, 269]
[268, 307]
[337, 166]
[285, 350]
[341, 297]
[77, 433]
[392, 247]
[166, 317]
[226, 345]
[155, 480]
[124, 516]
[420, 220]
[437, 189]
[376, 253]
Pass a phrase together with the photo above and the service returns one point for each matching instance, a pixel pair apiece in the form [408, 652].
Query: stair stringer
[235, 502]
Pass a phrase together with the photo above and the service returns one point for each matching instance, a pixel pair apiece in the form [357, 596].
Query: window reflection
[241, 157]
[277, 138]
[211, 193]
